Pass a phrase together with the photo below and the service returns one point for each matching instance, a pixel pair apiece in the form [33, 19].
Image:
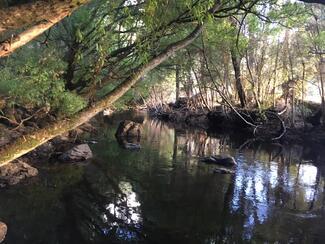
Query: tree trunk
[239, 86]
[32, 140]
[177, 81]
[40, 15]
[275, 72]
[321, 78]
[71, 60]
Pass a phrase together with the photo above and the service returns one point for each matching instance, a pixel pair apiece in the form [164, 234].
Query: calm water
[161, 194]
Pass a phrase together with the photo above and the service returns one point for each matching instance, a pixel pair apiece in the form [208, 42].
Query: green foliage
[38, 83]
[289, 14]
[223, 35]
[67, 103]
[320, 40]
[85, 49]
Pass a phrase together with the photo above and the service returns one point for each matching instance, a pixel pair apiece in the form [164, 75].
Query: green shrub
[36, 81]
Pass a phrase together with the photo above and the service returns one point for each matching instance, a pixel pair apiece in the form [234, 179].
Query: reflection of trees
[263, 187]
[181, 200]
[269, 188]
[104, 211]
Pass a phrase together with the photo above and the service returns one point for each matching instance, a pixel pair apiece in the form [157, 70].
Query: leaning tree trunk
[37, 17]
[30, 141]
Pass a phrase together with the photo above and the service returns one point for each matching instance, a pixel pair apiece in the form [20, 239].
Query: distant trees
[266, 58]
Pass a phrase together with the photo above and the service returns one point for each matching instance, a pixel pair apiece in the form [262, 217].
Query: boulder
[13, 173]
[220, 160]
[3, 231]
[128, 128]
[76, 154]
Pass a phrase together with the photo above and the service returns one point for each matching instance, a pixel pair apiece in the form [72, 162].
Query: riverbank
[212, 123]
[266, 126]
[26, 166]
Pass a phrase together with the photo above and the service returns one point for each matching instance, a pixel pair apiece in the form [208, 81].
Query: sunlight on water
[308, 174]
[130, 212]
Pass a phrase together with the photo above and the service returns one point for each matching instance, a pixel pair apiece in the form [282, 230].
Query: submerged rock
[76, 154]
[131, 146]
[13, 173]
[221, 160]
[221, 170]
[128, 128]
[3, 231]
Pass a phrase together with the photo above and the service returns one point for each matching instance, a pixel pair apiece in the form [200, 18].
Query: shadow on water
[162, 193]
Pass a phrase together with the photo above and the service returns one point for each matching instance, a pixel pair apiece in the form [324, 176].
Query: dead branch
[26, 119]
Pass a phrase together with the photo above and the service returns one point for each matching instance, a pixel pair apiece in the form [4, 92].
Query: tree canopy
[74, 58]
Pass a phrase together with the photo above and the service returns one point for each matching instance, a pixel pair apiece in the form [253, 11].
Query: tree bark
[321, 69]
[38, 17]
[32, 140]
[239, 86]
[177, 79]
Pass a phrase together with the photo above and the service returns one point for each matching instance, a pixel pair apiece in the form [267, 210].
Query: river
[163, 194]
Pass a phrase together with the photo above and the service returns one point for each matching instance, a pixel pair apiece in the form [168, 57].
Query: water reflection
[162, 194]
[104, 210]
[270, 189]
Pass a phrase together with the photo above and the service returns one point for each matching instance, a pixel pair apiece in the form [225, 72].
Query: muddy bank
[268, 125]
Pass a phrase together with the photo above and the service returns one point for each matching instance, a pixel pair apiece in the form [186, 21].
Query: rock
[13, 173]
[128, 128]
[221, 170]
[76, 154]
[222, 160]
[3, 231]
[45, 151]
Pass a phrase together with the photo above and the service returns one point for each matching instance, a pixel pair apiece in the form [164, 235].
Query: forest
[253, 68]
